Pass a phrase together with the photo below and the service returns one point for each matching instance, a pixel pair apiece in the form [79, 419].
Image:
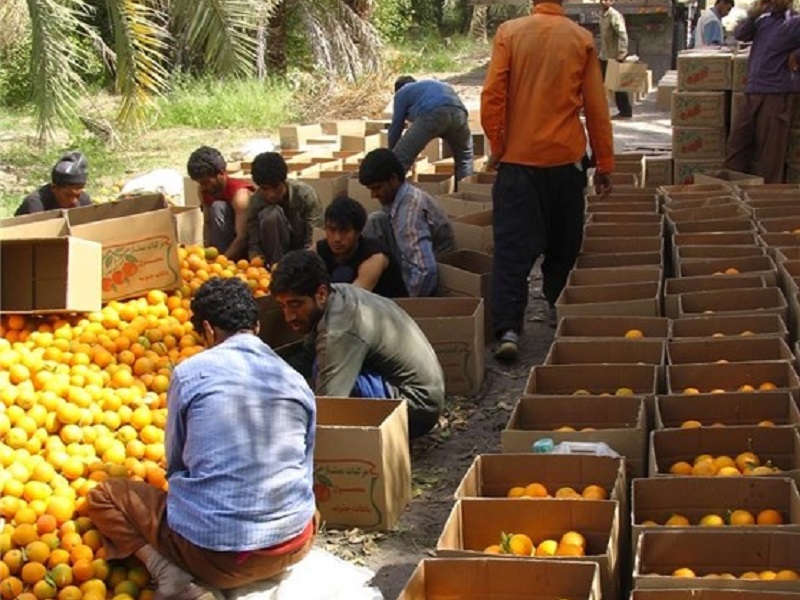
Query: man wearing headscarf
[65, 190]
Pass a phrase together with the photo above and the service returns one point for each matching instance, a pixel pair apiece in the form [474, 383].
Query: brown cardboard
[623, 207]
[699, 70]
[791, 209]
[768, 190]
[658, 170]
[674, 287]
[729, 349]
[139, 239]
[593, 351]
[739, 408]
[604, 245]
[779, 445]
[479, 183]
[611, 327]
[746, 301]
[780, 225]
[758, 265]
[294, 137]
[640, 299]
[693, 143]
[616, 196]
[728, 175]
[683, 170]
[454, 327]
[47, 224]
[739, 76]
[714, 239]
[691, 253]
[680, 190]
[714, 225]
[731, 376]
[671, 205]
[359, 143]
[464, 203]
[626, 259]
[709, 594]
[474, 232]
[361, 193]
[475, 523]
[492, 475]
[624, 218]
[362, 466]
[605, 230]
[188, 224]
[434, 183]
[328, 185]
[468, 273]
[561, 380]
[344, 127]
[625, 76]
[482, 578]
[729, 551]
[582, 277]
[719, 325]
[50, 275]
[707, 213]
[699, 109]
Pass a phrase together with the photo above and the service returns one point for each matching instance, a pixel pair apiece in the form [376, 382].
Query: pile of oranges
[706, 465]
[84, 399]
[571, 544]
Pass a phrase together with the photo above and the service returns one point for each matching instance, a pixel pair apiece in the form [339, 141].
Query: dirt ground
[472, 425]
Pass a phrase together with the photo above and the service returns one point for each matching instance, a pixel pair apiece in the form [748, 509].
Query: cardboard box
[604, 245]
[752, 265]
[468, 273]
[739, 408]
[673, 288]
[780, 225]
[623, 260]
[740, 224]
[140, 250]
[479, 183]
[732, 238]
[464, 203]
[746, 301]
[475, 523]
[50, 275]
[694, 253]
[639, 299]
[708, 594]
[362, 465]
[47, 224]
[734, 177]
[482, 578]
[328, 185]
[605, 351]
[671, 205]
[721, 325]
[658, 170]
[661, 552]
[731, 377]
[768, 190]
[626, 76]
[739, 82]
[730, 349]
[565, 380]
[699, 70]
[613, 230]
[294, 137]
[583, 277]
[434, 183]
[699, 109]
[361, 193]
[650, 207]
[188, 224]
[622, 196]
[454, 327]
[684, 169]
[344, 127]
[790, 209]
[657, 499]
[624, 218]
[706, 213]
[611, 327]
[692, 143]
[780, 445]
[359, 143]
[492, 475]
[694, 190]
[474, 232]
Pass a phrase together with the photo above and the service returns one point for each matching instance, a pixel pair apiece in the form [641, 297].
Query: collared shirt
[43, 199]
[390, 284]
[613, 34]
[361, 330]
[709, 29]
[774, 37]
[302, 208]
[543, 71]
[239, 444]
[228, 191]
[423, 232]
[419, 98]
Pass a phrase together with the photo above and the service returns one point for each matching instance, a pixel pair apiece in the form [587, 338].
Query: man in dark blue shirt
[65, 190]
[435, 111]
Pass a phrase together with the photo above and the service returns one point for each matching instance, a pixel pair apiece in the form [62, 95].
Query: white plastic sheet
[160, 181]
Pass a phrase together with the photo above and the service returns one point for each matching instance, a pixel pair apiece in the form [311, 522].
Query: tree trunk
[477, 26]
[276, 60]
[361, 7]
[261, 50]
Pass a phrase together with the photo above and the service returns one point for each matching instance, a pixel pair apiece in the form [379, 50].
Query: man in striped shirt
[412, 225]
[239, 447]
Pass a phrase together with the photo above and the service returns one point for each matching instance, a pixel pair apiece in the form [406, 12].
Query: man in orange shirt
[544, 71]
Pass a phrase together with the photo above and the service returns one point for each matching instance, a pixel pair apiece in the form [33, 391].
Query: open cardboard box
[621, 245]
[777, 212]
[692, 253]
[580, 326]
[714, 225]
[47, 224]
[434, 183]
[731, 376]
[623, 207]
[484, 578]
[746, 301]
[676, 286]
[768, 190]
[778, 240]
[362, 465]
[479, 183]
[730, 349]
[474, 231]
[659, 553]
[703, 201]
[617, 230]
[454, 327]
[475, 523]
[634, 197]
[708, 594]
[468, 273]
[729, 176]
[778, 446]
[624, 218]
[583, 277]
[622, 260]
[565, 380]
[60, 274]
[657, 499]
[464, 203]
[782, 201]
[721, 325]
[760, 265]
[675, 191]
[784, 253]
[565, 351]
[707, 213]
[730, 408]
[619, 421]
[733, 238]
[328, 185]
[640, 299]
[780, 225]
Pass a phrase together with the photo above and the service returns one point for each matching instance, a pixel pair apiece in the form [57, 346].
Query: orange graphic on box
[138, 266]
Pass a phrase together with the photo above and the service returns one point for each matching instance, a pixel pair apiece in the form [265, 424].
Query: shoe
[508, 348]
[620, 117]
[552, 317]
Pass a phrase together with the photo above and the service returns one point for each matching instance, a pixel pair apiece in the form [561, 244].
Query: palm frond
[54, 57]
[223, 30]
[108, 56]
[139, 42]
[14, 17]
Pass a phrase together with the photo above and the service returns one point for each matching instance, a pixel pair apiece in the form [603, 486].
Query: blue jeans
[368, 384]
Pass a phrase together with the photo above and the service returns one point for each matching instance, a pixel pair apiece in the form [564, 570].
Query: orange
[566, 492]
[516, 492]
[728, 472]
[493, 549]
[681, 468]
[33, 572]
[518, 544]
[747, 460]
[70, 592]
[704, 468]
[741, 517]
[712, 521]
[691, 390]
[683, 572]
[767, 575]
[787, 575]
[82, 570]
[44, 589]
[569, 550]
[769, 516]
[573, 538]
[749, 575]
[11, 588]
[61, 575]
[594, 492]
[536, 490]
[38, 551]
[24, 534]
[634, 334]
[547, 548]
[676, 520]
[691, 424]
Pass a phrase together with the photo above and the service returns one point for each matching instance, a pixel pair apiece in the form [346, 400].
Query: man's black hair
[401, 81]
[205, 162]
[227, 304]
[299, 272]
[270, 169]
[728, 2]
[346, 213]
[378, 167]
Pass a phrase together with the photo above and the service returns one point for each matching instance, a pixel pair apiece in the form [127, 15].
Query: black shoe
[621, 117]
[508, 348]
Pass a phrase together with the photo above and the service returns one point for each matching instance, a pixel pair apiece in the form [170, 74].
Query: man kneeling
[362, 345]
[239, 447]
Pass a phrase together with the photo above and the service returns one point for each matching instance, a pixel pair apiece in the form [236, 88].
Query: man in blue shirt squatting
[239, 447]
[359, 344]
[435, 111]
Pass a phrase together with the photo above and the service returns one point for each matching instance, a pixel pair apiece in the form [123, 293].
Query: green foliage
[15, 74]
[227, 103]
[393, 19]
[431, 54]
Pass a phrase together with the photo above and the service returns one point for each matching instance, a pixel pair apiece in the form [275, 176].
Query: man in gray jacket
[614, 46]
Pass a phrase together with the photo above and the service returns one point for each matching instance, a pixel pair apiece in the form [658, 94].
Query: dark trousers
[760, 132]
[621, 98]
[536, 211]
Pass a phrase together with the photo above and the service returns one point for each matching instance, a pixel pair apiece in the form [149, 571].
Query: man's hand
[793, 63]
[602, 183]
[621, 56]
[494, 160]
[759, 8]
